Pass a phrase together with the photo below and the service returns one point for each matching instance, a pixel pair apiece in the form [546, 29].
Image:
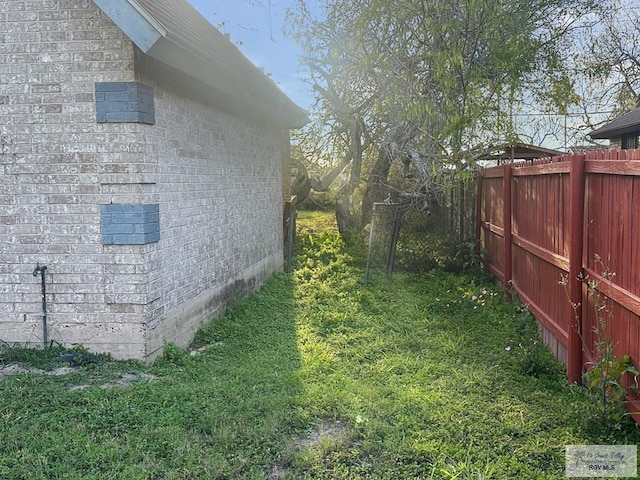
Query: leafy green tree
[420, 84]
[613, 58]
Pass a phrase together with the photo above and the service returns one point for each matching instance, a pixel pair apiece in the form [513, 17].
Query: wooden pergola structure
[510, 153]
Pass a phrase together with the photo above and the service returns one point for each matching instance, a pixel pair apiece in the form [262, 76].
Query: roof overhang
[253, 97]
[612, 133]
[245, 83]
[517, 151]
[628, 123]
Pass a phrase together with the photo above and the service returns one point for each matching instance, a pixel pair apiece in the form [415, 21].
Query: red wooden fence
[539, 223]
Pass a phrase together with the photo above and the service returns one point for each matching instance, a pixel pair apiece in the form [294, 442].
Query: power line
[607, 112]
[541, 114]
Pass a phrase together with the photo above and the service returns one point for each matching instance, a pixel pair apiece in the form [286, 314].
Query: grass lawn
[317, 376]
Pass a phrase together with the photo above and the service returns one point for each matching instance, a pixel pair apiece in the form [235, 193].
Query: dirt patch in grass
[123, 381]
[10, 370]
[279, 472]
[327, 432]
[198, 351]
[328, 435]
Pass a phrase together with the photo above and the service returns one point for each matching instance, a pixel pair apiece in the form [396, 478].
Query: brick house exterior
[623, 132]
[141, 161]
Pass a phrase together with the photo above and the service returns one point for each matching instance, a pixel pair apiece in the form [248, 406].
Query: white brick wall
[217, 179]
[220, 194]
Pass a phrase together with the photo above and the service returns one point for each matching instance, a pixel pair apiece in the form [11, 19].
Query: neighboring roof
[517, 151]
[625, 124]
[173, 32]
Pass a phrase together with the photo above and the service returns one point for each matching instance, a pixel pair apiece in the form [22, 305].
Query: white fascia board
[134, 21]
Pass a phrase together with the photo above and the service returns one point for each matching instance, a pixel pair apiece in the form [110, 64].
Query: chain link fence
[383, 238]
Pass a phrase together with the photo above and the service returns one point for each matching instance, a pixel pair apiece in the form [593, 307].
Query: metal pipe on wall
[41, 269]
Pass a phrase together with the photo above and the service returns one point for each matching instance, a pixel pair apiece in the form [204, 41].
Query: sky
[256, 28]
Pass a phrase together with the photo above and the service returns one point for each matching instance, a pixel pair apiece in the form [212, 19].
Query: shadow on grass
[228, 412]
[242, 384]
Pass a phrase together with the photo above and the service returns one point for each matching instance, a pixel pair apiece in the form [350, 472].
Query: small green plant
[465, 256]
[175, 355]
[536, 360]
[46, 358]
[80, 356]
[605, 373]
[605, 379]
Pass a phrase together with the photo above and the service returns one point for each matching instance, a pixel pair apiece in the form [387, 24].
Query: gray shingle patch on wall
[130, 224]
[124, 102]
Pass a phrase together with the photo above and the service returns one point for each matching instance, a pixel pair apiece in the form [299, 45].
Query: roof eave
[627, 123]
[262, 97]
[152, 38]
[519, 151]
[608, 133]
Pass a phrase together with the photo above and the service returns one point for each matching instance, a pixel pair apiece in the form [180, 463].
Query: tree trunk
[345, 216]
[301, 186]
[376, 190]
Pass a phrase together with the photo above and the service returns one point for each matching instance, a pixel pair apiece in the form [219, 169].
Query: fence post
[574, 348]
[370, 249]
[289, 224]
[393, 242]
[507, 228]
[479, 191]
